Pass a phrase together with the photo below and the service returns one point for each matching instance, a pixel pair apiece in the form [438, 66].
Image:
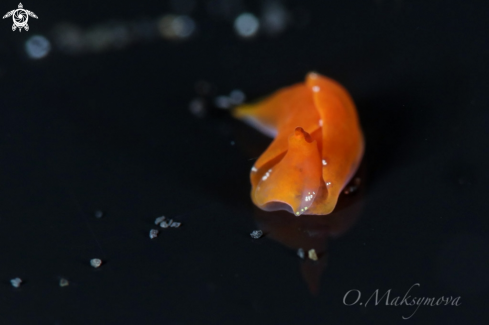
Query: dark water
[111, 131]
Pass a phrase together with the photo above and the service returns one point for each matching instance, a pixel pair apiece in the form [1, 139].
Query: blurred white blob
[197, 107]
[222, 102]
[237, 97]
[274, 17]
[69, 38]
[95, 262]
[159, 220]
[63, 282]
[176, 27]
[300, 253]
[255, 234]
[37, 47]
[246, 25]
[153, 233]
[16, 282]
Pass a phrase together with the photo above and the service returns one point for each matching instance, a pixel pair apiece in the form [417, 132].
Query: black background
[112, 131]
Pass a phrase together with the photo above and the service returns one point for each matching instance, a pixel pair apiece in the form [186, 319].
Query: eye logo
[20, 17]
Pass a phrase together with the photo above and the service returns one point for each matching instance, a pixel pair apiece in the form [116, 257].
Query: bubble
[246, 25]
[37, 47]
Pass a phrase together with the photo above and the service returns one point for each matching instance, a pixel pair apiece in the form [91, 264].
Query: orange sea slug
[317, 148]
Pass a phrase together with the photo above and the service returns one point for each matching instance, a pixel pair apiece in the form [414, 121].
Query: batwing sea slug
[318, 145]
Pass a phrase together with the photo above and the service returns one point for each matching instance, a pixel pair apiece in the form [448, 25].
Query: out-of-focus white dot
[246, 25]
[222, 102]
[237, 97]
[183, 26]
[197, 108]
[176, 27]
[274, 17]
[37, 47]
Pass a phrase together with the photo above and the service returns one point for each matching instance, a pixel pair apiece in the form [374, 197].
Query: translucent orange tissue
[317, 148]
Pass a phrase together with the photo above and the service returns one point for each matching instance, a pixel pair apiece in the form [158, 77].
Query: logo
[20, 17]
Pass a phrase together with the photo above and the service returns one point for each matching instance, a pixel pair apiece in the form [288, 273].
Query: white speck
[316, 89]
[246, 25]
[297, 213]
[95, 262]
[63, 282]
[314, 193]
[267, 174]
[164, 224]
[305, 208]
[175, 224]
[16, 282]
[328, 183]
[254, 169]
[237, 97]
[255, 234]
[300, 252]
[159, 220]
[99, 214]
[324, 162]
[312, 254]
[222, 102]
[37, 47]
[153, 233]
[320, 122]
